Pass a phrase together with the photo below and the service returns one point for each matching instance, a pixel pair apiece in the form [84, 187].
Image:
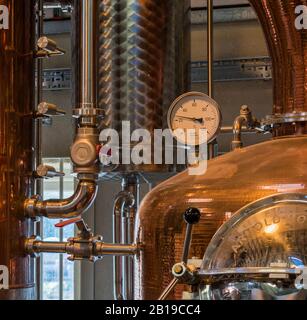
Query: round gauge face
[190, 115]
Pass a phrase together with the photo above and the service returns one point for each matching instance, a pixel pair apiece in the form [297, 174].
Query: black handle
[192, 216]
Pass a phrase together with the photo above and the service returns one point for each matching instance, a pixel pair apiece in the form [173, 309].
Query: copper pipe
[17, 97]
[39, 93]
[72, 207]
[288, 51]
[38, 131]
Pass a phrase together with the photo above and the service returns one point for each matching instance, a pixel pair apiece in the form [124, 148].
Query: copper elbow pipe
[72, 207]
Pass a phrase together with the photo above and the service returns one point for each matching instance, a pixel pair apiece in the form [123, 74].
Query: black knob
[192, 216]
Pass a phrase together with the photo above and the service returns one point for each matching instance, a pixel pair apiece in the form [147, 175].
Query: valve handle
[47, 172]
[66, 223]
[191, 217]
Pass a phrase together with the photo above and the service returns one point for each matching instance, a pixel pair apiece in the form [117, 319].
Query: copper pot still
[238, 178]
[16, 152]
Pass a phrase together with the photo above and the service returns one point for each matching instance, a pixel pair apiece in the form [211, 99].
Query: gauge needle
[198, 120]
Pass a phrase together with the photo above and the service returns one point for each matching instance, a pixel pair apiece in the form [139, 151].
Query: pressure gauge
[192, 112]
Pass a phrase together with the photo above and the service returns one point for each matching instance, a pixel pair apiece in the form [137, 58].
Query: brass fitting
[245, 117]
[84, 152]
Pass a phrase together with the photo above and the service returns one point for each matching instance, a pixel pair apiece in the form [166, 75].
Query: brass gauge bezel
[177, 104]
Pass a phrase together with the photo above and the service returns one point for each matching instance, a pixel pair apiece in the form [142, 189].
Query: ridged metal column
[142, 63]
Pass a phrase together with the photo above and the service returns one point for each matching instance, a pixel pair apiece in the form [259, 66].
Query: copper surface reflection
[16, 130]
[231, 181]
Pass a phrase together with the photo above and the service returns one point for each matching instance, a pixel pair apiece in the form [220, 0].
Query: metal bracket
[276, 119]
[241, 69]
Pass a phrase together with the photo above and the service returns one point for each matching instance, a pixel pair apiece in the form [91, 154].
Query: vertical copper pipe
[38, 131]
[287, 47]
[16, 138]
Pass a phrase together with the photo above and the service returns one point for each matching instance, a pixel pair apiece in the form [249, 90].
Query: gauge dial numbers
[191, 113]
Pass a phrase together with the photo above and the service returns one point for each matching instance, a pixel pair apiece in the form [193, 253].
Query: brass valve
[48, 48]
[45, 109]
[47, 172]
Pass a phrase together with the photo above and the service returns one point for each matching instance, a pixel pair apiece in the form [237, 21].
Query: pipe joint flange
[30, 207]
[87, 110]
[30, 246]
[83, 249]
[279, 119]
[185, 273]
[84, 151]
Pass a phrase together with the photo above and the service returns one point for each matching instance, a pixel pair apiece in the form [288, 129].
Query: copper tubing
[17, 97]
[288, 51]
[72, 207]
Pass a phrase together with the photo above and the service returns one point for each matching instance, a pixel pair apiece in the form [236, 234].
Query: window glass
[57, 273]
